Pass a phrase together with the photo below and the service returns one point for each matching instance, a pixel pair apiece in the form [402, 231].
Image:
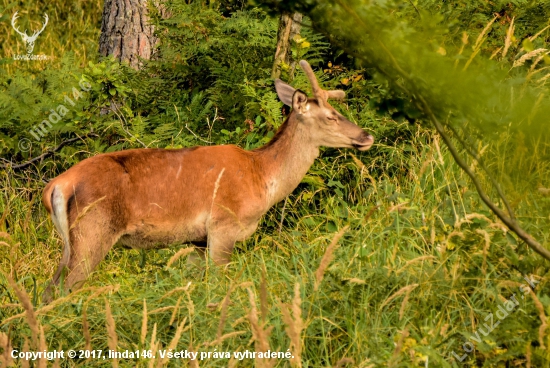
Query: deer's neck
[286, 159]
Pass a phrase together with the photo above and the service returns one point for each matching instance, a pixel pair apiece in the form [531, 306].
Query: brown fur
[216, 195]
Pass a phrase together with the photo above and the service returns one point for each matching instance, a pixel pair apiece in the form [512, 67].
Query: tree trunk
[289, 26]
[125, 31]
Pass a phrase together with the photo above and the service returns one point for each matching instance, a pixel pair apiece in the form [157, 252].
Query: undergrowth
[379, 258]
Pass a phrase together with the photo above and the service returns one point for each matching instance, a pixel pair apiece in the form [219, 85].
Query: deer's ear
[299, 102]
[284, 91]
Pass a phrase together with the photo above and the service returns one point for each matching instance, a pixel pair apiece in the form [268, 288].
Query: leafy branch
[509, 221]
[378, 53]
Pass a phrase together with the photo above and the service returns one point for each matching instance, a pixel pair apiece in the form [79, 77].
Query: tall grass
[384, 258]
[420, 266]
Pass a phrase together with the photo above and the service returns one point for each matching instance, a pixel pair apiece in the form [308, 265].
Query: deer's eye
[332, 118]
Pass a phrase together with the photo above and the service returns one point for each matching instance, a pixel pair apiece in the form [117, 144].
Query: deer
[207, 196]
[28, 40]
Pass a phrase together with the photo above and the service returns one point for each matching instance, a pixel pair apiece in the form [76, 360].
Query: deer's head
[28, 40]
[328, 127]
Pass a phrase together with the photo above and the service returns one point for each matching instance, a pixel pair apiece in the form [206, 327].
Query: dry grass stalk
[223, 314]
[467, 219]
[153, 346]
[232, 362]
[11, 305]
[232, 214]
[59, 301]
[425, 164]
[464, 43]
[432, 232]
[479, 216]
[479, 41]
[540, 98]
[342, 362]
[143, 324]
[399, 207]
[194, 363]
[495, 53]
[358, 162]
[398, 348]
[86, 329]
[175, 312]
[263, 295]
[42, 362]
[96, 293]
[216, 187]
[438, 149]
[370, 213]
[162, 309]
[412, 261]
[355, 280]
[404, 304]
[509, 36]
[538, 33]
[173, 291]
[190, 304]
[85, 210]
[29, 310]
[212, 306]
[500, 226]
[535, 63]
[455, 233]
[223, 318]
[222, 338]
[259, 334]
[528, 56]
[403, 290]
[180, 253]
[543, 79]
[174, 343]
[543, 319]
[5, 344]
[509, 283]
[485, 249]
[56, 363]
[480, 38]
[112, 338]
[294, 326]
[327, 258]
[240, 320]
[24, 362]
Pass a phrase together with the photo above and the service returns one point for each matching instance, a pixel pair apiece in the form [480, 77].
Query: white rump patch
[61, 221]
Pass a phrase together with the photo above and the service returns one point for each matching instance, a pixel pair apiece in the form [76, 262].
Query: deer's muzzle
[364, 142]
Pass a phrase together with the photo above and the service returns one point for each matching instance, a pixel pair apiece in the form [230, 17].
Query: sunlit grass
[411, 279]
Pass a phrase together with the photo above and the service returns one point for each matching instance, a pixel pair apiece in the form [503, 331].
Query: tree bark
[125, 31]
[289, 26]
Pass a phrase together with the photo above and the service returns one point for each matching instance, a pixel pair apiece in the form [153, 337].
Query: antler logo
[28, 40]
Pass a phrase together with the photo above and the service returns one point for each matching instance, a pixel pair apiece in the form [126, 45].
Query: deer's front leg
[220, 247]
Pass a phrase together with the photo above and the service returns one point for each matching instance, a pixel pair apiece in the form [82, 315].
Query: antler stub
[318, 92]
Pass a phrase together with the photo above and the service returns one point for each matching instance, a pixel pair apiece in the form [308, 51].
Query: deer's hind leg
[90, 246]
[87, 238]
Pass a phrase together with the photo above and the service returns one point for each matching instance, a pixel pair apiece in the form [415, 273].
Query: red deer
[209, 196]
